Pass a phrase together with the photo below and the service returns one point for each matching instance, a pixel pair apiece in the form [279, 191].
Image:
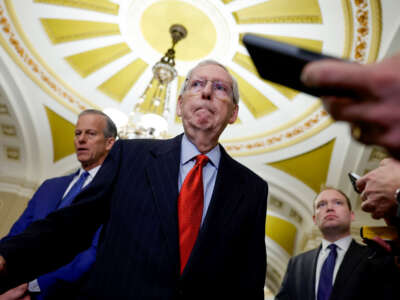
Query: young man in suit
[95, 134]
[343, 271]
[182, 219]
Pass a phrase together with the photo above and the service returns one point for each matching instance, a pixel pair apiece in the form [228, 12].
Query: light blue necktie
[326, 277]
[74, 191]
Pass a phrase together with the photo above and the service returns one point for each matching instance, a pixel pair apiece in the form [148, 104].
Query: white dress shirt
[342, 246]
[210, 170]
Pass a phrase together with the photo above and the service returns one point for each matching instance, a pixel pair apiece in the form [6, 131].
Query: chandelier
[150, 114]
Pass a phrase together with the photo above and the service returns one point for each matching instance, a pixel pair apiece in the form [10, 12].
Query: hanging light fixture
[150, 114]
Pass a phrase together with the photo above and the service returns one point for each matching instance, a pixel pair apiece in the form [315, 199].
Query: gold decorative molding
[256, 102]
[85, 63]
[376, 15]
[12, 153]
[310, 167]
[118, 85]
[4, 109]
[296, 216]
[62, 30]
[280, 11]
[21, 56]
[270, 142]
[282, 232]
[17, 45]
[367, 37]
[275, 202]
[348, 28]
[9, 130]
[62, 132]
[102, 6]
[362, 18]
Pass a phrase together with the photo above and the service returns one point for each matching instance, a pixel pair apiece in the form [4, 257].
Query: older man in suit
[182, 219]
[340, 268]
[95, 134]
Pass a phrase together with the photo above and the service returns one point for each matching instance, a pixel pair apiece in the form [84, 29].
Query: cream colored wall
[11, 207]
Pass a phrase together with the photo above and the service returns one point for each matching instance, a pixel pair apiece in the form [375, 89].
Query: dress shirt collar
[189, 151]
[342, 244]
[92, 172]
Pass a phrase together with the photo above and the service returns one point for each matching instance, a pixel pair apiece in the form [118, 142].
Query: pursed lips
[330, 216]
[203, 107]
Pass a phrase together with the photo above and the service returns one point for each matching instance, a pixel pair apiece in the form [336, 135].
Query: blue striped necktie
[74, 191]
[326, 277]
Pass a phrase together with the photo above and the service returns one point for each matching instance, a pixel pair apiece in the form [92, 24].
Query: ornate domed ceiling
[58, 57]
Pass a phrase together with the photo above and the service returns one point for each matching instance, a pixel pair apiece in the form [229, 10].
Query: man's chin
[83, 159]
[202, 123]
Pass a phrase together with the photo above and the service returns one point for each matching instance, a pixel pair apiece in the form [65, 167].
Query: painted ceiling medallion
[157, 18]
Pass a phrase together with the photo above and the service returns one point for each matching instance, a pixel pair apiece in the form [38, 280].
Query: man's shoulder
[149, 143]
[238, 167]
[309, 254]
[58, 179]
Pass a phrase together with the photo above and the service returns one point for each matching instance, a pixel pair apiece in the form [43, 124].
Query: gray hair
[235, 86]
[110, 130]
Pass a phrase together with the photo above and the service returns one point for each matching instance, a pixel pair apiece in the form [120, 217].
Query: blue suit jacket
[135, 195]
[47, 198]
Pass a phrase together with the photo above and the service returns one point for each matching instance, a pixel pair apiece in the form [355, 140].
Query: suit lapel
[227, 194]
[311, 273]
[162, 172]
[354, 255]
[55, 196]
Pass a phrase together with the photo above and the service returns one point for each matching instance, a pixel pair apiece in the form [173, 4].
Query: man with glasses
[182, 219]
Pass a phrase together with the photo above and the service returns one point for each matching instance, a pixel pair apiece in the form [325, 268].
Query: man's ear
[352, 216]
[313, 218]
[109, 143]
[178, 106]
[234, 115]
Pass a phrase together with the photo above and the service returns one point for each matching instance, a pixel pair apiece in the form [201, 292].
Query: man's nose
[81, 138]
[207, 90]
[330, 206]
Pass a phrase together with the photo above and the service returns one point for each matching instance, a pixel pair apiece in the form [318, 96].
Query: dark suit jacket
[360, 276]
[135, 194]
[61, 282]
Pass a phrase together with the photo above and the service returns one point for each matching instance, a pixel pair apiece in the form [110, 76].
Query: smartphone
[353, 178]
[283, 63]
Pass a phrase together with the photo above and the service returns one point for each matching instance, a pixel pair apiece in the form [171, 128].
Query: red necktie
[190, 208]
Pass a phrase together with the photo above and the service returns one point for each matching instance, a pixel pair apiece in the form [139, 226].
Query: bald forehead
[209, 69]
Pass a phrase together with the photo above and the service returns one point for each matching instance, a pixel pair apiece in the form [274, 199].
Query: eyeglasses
[220, 88]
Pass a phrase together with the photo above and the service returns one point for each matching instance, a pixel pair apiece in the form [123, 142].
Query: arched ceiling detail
[311, 168]
[282, 232]
[62, 132]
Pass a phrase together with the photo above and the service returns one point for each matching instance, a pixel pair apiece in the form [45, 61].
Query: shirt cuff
[33, 286]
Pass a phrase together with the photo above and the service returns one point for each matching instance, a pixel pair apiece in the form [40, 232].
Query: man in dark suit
[157, 243]
[356, 269]
[95, 134]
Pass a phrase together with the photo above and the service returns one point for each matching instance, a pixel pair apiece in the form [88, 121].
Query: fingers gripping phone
[283, 63]
[353, 178]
